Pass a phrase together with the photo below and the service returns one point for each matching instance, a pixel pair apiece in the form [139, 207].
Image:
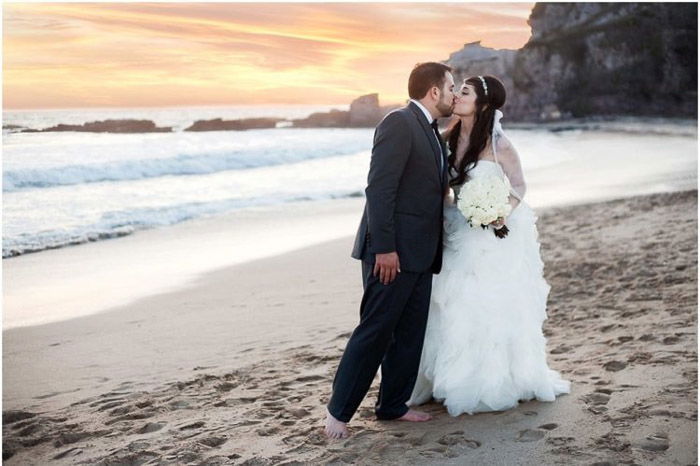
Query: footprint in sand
[179, 404]
[129, 413]
[226, 386]
[10, 416]
[672, 340]
[656, 442]
[366, 413]
[226, 403]
[194, 425]
[182, 456]
[614, 366]
[65, 438]
[150, 427]
[266, 432]
[310, 378]
[246, 399]
[458, 438]
[610, 441]
[530, 435]
[560, 349]
[607, 328]
[272, 404]
[213, 441]
[596, 398]
[70, 452]
[596, 401]
[418, 440]
[560, 441]
[29, 429]
[299, 413]
[108, 403]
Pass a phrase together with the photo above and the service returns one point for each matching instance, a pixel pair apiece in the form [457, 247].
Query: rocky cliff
[474, 59]
[593, 59]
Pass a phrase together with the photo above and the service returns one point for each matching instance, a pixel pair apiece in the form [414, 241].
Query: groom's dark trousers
[403, 214]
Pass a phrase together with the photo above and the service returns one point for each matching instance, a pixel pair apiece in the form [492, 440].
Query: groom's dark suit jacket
[405, 186]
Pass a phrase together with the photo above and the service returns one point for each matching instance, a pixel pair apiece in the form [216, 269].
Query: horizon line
[117, 107]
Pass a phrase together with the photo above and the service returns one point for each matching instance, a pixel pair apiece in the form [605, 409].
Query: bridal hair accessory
[483, 83]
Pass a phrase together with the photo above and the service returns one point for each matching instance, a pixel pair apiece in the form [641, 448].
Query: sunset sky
[61, 55]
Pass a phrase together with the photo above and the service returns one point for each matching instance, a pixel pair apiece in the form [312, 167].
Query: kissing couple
[452, 308]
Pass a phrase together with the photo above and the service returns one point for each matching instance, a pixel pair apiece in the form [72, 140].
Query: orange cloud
[153, 54]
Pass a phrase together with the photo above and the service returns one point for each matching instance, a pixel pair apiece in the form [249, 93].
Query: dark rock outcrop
[218, 124]
[597, 59]
[108, 126]
[332, 119]
[365, 112]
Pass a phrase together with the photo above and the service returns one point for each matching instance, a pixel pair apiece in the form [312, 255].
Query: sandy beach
[237, 367]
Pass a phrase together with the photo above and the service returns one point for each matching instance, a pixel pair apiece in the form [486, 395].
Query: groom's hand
[387, 266]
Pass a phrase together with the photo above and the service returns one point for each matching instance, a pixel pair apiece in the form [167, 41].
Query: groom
[400, 244]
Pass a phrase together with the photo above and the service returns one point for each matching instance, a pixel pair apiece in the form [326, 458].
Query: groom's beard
[444, 109]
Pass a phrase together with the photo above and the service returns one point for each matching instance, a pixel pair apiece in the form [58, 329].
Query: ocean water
[68, 188]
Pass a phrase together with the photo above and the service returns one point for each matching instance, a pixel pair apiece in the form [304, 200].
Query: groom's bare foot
[415, 416]
[335, 429]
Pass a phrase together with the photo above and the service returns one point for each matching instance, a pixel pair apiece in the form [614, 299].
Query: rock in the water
[332, 119]
[108, 126]
[218, 124]
[365, 112]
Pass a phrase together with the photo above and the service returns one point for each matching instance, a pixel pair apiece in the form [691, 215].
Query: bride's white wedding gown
[484, 349]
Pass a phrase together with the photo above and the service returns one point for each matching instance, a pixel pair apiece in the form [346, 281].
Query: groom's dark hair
[424, 76]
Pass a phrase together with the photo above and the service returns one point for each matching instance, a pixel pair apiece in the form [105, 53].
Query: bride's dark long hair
[486, 106]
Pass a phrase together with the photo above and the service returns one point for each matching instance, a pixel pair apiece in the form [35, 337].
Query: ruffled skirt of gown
[484, 349]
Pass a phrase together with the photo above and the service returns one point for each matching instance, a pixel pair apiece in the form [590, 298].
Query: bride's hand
[499, 222]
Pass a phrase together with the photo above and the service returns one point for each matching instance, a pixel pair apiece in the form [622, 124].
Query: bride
[484, 349]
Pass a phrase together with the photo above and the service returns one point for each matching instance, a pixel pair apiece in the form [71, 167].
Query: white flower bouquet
[484, 200]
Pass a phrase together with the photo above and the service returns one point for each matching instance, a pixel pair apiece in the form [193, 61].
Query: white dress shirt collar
[430, 119]
[427, 114]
